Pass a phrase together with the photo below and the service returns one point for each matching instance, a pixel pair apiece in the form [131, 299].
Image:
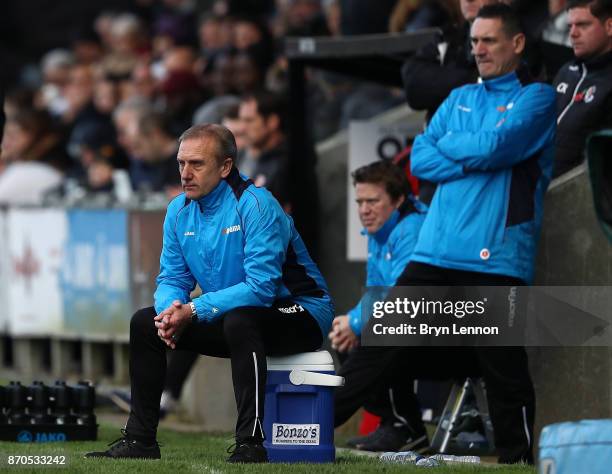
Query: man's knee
[142, 320]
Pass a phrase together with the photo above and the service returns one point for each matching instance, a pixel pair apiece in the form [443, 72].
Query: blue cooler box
[299, 409]
[576, 447]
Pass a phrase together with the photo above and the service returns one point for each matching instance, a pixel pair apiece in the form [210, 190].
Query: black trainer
[127, 448]
[247, 450]
[388, 437]
[357, 440]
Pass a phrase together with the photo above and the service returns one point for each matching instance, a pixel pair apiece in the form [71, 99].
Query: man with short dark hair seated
[392, 219]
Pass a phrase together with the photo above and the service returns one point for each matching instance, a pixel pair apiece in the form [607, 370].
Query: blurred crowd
[99, 119]
[97, 122]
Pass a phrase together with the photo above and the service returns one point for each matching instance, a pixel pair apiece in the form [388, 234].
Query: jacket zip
[203, 243]
[584, 73]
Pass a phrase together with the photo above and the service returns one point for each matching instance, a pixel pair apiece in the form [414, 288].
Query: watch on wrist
[194, 312]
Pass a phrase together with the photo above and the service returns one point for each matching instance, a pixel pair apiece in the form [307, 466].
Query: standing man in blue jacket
[262, 293]
[391, 219]
[489, 147]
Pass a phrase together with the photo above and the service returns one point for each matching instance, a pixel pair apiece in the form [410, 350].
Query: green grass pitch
[205, 453]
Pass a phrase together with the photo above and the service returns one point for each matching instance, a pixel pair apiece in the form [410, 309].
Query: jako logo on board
[27, 437]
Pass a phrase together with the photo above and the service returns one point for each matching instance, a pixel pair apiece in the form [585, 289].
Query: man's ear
[400, 201]
[273, 122]
[608, 27]
[226, 167]
[518, 43]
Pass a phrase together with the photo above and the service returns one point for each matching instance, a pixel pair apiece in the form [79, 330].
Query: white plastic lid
[319, 360]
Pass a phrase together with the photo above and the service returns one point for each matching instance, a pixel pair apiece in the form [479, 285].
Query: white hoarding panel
[4, 267]
[36, 239]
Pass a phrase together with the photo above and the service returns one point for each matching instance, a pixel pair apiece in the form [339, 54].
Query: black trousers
[246, 335]
[179, 366]
[393, 400]
[505, 370]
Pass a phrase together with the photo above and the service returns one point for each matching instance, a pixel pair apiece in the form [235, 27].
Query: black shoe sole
[247, 461]
[103, 456]
[417, 445]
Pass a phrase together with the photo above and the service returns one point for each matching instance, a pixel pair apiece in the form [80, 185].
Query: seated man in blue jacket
[489, 147]
[262, 293]
[392, 220]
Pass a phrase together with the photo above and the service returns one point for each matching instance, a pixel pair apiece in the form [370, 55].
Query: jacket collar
[382, 234]
[597, 62]
[507, 82]
[520, 76]
[213, 199]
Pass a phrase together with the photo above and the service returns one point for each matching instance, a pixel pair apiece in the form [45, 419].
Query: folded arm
[520, 133]
[426, 160]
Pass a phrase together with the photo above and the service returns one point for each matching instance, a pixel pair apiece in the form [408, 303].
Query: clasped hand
[172, 321]
[342, 337]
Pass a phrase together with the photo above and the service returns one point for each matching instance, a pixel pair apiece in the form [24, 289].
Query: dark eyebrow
[482, 38]
[190, 160]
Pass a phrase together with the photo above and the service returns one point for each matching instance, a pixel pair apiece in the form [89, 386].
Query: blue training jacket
[389, 251]
[490, 149]
[242, 249]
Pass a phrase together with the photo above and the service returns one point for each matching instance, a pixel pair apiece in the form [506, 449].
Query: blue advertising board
[95, 274]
